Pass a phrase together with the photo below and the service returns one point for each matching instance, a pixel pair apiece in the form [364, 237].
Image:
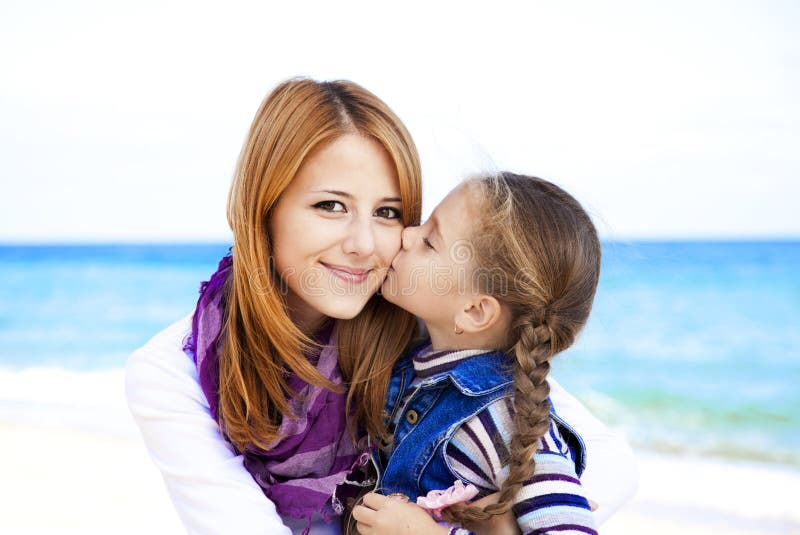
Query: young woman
[249, 431]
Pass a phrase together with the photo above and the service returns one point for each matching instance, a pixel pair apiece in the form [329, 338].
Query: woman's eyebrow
[350, 196]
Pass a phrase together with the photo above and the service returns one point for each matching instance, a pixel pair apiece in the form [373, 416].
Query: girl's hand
[384, 515]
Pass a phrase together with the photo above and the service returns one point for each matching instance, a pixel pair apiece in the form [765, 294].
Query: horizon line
[202, 243]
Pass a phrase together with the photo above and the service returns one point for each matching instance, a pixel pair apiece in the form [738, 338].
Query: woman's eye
[331, 206]
[387, 212]
[427, 243]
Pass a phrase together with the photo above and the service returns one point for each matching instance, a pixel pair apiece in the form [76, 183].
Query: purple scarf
[301, 471]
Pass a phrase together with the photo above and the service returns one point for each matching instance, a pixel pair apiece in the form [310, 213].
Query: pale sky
[122, 121]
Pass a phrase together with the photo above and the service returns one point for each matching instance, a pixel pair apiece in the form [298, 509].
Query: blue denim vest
[442, 403]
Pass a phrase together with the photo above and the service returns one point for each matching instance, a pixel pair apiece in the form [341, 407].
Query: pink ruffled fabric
[436, 500]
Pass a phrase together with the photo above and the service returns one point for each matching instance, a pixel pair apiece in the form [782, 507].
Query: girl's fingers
[363, 529]
[364, 516]
[375, 501]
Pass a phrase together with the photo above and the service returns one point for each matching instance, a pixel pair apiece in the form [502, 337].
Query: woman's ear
[479, 314]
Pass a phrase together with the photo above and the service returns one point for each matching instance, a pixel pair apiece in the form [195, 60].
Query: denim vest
[442, 403]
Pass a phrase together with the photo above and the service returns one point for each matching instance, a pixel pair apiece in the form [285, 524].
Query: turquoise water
[692, 347]
[695, 347]
[88, 307]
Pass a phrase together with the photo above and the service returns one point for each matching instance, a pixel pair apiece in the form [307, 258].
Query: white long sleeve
[611, 476]
[210, 488]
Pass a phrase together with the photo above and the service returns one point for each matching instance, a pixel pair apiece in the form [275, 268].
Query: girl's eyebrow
[350, 196]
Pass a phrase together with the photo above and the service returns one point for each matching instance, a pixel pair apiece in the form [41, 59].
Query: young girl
[503, 274]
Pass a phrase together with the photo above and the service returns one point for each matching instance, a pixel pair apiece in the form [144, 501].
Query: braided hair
[543, 253]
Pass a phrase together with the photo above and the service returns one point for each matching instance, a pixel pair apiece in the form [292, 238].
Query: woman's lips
[355, 275]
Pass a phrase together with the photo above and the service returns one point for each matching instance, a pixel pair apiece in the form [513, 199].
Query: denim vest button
[412, 417]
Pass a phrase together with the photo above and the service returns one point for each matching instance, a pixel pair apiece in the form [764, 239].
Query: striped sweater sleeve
[551, 501]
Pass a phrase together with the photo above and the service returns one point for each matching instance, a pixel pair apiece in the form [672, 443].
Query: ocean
[692, 347]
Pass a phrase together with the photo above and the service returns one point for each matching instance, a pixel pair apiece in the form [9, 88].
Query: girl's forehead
[457, 212]
[461, 201]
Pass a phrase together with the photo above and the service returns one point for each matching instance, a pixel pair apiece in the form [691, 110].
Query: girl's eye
[331, 206]
[387, 212]
[427, 243]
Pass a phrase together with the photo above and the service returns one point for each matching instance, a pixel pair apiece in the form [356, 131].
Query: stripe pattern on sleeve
[551, 501]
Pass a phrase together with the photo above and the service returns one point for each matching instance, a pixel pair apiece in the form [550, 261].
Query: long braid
[532, 353]
[532, 408]
[544, 244]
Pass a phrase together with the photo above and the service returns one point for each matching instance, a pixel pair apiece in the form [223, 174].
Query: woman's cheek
[389, 244]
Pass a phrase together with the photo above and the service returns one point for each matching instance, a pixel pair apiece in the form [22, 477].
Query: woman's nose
[361, 238]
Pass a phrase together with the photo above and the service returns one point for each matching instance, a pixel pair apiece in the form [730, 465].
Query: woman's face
[335, 230]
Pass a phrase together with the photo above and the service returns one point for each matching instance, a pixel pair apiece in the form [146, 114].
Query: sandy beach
[69, 476]
[709, 497]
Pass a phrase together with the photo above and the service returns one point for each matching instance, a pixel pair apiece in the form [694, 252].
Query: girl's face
[335, 230]
[430, 276]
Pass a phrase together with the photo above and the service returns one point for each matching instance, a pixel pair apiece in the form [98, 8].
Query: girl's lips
[347, 273]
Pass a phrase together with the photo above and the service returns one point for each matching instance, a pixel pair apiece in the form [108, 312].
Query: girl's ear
[479, 314]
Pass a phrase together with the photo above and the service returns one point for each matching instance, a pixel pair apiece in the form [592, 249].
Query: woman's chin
[343, 308]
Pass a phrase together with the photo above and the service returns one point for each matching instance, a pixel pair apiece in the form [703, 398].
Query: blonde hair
[260, 340]
[544, 257]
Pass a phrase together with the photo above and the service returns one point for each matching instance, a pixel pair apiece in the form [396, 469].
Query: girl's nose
[407, 237]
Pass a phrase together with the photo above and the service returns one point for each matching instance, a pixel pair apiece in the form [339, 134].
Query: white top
[214, 493]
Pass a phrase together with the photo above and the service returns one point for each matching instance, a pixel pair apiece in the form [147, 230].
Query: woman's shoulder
[167, 342]
[161, 364]
[170, 337]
